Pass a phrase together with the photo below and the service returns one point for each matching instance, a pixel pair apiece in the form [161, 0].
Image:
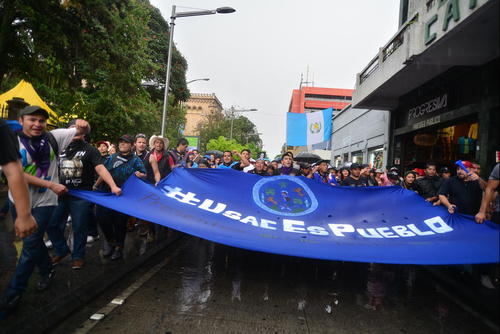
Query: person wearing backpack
[38, 149]
[78, 164]
[121, 166]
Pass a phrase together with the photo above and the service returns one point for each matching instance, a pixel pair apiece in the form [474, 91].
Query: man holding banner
[461, 193]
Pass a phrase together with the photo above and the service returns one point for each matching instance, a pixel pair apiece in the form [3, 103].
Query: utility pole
[232, 110]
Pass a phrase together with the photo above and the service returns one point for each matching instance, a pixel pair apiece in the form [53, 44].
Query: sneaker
[9, 303]
[58, 259]
[117, 254]
[91, 239]
[486, 282]
[44, 282]
[48, 244]
[78, 264]
[107, 250]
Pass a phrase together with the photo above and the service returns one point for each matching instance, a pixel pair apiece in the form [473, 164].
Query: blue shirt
[328, 180]
[121, 168]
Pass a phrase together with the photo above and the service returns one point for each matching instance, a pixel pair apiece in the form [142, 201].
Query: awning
[26, 91]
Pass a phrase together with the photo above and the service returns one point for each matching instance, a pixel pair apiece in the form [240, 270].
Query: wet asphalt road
[202, 287]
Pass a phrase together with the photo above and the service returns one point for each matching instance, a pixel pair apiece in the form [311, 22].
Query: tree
[88, 59]
[244, 131]
[223, 144]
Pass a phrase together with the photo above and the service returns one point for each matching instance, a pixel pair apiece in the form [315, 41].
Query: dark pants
[92, 225]
[113, 224]
[6, 207]
[34, 253]
[80, 211]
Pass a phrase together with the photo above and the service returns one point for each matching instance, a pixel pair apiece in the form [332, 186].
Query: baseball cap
[419, 171]
[444, 170]
[30, 110]
[467, 164]
[355, 165]
[102, 142]
[126, 138]
[393, 175]
[304, 165]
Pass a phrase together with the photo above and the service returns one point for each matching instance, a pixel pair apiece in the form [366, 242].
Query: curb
[65, 305]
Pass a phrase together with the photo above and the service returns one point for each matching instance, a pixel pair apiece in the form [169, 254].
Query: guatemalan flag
[309, 128]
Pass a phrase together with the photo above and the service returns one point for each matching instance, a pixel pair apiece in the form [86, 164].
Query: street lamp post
[203, 79]
[232, 118]
[221, 10]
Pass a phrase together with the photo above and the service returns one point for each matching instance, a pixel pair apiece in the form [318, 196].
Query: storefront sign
[447, 11]
[428, 122]
[428, 107]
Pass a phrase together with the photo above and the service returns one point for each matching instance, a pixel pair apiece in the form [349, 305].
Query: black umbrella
[217, 153]
[307, 157]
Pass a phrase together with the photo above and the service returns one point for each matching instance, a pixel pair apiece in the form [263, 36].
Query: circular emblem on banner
[315, 127]
[284, 195]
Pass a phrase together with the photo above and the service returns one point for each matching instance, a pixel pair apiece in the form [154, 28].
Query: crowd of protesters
[51, 163]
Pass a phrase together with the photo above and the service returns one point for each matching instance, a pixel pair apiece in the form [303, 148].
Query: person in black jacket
[428, 186]
[462, 193]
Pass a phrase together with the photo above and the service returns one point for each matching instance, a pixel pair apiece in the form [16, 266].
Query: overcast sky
[255, 56]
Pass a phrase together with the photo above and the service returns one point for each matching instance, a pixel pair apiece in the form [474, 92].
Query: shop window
[443, 145]
[337, 161]
[357, 157]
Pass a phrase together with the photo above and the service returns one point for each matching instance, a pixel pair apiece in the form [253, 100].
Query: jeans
[92, 225]
[80, 211]
[34, 253]
[113, 224]
[6, 207]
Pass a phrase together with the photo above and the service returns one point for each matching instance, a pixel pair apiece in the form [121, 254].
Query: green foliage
[244, 132]
[88, 58]
[223, 144]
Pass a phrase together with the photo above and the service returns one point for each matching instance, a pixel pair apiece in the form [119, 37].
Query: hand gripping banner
[300, 217]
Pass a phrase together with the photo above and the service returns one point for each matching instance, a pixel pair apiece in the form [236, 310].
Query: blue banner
[300, 217]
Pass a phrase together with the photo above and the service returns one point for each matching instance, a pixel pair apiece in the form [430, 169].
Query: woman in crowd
[112, 149]
[378, 176]
[121, 166]
[409, 180]
[344, 173]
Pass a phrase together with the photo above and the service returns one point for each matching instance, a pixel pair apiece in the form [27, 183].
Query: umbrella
[307, 157]
[217, 153]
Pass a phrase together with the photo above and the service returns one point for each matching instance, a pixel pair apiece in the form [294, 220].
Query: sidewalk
[38, 311]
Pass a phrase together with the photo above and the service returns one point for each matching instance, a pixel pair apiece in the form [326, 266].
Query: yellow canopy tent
[26, 91]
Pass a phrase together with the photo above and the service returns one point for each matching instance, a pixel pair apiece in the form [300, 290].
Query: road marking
[119, 300]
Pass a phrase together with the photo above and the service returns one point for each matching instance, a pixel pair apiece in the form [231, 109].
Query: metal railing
[387, 50]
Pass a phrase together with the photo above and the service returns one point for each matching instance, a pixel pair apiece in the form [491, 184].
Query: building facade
[198, 108]
[310, 99]
[361, 136]
[439, 78]
[307, 99]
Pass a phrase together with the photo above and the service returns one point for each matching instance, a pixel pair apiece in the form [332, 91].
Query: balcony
[428, 44]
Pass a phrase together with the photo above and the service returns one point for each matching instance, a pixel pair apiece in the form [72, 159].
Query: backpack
[53, 143]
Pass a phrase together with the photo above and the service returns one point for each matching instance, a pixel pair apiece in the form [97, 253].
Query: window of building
[327, 97]
[357, 157]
